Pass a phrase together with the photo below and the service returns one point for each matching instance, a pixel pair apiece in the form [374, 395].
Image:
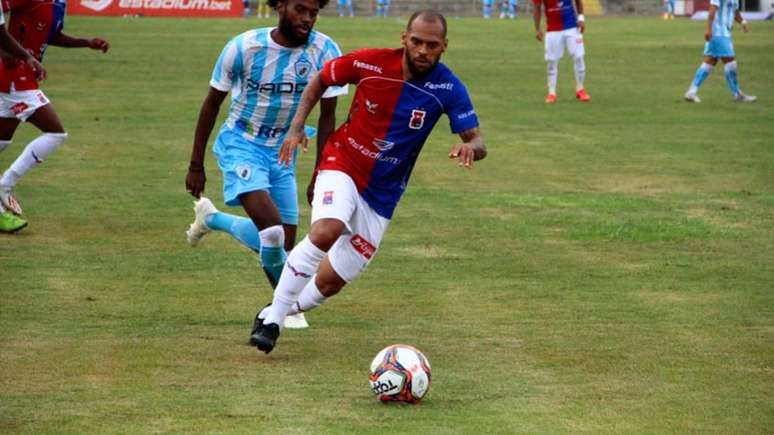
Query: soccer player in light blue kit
[722, 14]
[508, 9]
[488, 5]
[266, 71]
[382, 8]
[345, 8]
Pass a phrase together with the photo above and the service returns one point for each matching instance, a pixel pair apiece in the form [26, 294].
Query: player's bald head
[428, 16]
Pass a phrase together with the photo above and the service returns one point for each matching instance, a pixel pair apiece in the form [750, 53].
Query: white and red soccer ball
[400, 373]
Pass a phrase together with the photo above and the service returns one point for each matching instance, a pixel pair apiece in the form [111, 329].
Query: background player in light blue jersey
[266, 71]
[488, 5]
[669, 9]
[382, 8]
[508, 9]
[345, 8]
[722, 14]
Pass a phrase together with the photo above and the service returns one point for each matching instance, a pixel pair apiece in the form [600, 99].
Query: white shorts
[21, 104]
[336, 197]
[556, 41]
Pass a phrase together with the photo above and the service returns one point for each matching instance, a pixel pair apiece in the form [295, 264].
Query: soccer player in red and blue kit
[364, 167]
[35, 24]
[563, 29]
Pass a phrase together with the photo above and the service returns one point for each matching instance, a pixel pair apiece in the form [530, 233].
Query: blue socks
[733, 84]
[273, 261]
[702, 73]
[242, 229]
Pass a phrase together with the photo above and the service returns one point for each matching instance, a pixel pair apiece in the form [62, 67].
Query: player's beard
[287, 29]
[414, 70]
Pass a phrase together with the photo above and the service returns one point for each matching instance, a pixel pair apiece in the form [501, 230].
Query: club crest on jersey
[303, 67]
[244, 172]
[417, 119]
[371, 107]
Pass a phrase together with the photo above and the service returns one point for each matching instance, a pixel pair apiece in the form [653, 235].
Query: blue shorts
[248, 167]
[719, 46]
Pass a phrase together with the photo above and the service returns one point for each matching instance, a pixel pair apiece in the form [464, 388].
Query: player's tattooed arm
[295, 136]
[196, 178]
[67, 41]
[471, 149]
[9, 45]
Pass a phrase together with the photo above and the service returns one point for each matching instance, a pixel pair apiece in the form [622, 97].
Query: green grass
[608, 269]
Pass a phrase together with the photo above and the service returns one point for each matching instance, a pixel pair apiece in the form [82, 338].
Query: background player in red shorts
[35, 24]
[365, 165]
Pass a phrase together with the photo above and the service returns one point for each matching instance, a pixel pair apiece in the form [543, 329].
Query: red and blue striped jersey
[33, 23]
[389, 121]
[560, 14]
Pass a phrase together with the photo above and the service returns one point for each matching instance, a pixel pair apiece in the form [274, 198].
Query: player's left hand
[464, 154]
[40, 72]
[745, 28]
[294, 138]
[99, 44]
[581, 26]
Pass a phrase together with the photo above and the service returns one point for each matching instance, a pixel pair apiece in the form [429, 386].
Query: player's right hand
[708, 35]
[539, 35]
[40, 72]
[194, 182]
[294, 138]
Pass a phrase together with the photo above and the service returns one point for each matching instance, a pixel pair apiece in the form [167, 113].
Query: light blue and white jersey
[724, 17]
[266, 81]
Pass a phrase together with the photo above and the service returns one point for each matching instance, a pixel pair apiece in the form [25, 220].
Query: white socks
[580, 72]
[301, 264]
[309, 299]
[34, 154]
[272, 237]
[553, 73]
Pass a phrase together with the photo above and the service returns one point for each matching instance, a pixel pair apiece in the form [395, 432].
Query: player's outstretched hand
[194, 181]
[539, 35]
[294, 138]
[463, 153]
[40, 72]
[99, 44]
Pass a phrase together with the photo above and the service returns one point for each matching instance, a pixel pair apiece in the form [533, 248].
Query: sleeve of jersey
[462, 115]
[228, 67]
[340, 71]
[330, 52]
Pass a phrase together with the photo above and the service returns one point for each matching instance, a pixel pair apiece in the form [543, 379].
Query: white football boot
[9, 201]
[296, 321]
[202, 208]
[691, 97]
[742, 98]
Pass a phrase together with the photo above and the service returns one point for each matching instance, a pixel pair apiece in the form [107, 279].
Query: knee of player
[325, 232]
[273, 236]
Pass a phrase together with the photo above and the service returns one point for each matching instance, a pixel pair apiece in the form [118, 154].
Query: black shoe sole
[262, 343]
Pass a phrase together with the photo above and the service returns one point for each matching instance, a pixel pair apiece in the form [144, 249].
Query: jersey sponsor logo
[448, 86]
[328, 198]
[96, 5]
[466, 114]
[367, 66]
[383, 145]
[363, 246]
[276, 88]
[417, 119]
[19, 108]
[376, 155]
[303, 67]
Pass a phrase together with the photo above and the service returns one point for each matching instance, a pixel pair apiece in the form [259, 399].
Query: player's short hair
[273, 3]
[428, 15]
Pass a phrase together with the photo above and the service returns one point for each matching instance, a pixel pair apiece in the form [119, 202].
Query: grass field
[608, 269]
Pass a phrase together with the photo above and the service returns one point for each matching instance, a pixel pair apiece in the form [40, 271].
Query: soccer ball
[400, 373]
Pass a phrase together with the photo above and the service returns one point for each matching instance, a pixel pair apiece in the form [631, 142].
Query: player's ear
[403, 38]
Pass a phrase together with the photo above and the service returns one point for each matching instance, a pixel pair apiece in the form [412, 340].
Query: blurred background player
[563, 29]
[265, 70]
[382, 8]
[720, 21]
[669, 9]
[508, 9]
[345, 8]
[35, 24]
[263, 10]
[488, 6]
[366, 164]
[9, 222]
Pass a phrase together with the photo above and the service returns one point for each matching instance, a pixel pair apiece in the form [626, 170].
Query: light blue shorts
[248, 167]
[719, 46]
